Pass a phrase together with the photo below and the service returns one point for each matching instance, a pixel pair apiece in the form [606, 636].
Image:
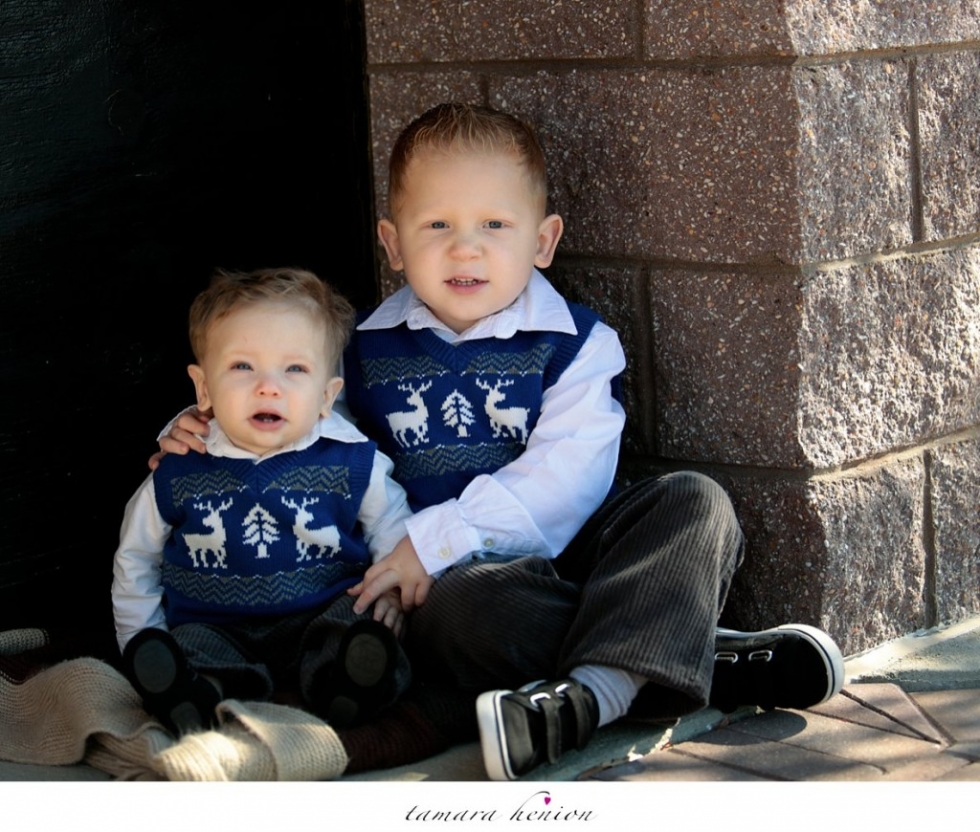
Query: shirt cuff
[441, 537]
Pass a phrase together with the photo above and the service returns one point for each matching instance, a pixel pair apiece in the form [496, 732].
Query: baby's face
[468, 230]
[266, 375]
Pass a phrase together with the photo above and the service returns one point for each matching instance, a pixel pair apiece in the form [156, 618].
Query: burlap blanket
[83, 710]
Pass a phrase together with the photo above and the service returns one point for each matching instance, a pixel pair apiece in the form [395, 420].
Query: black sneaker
[361, 680]
[522, 729]
[172, 692]
[792, 666]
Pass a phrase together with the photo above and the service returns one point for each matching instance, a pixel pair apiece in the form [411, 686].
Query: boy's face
[266, 375]
[467, 230]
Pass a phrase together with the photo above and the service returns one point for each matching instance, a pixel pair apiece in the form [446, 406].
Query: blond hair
[466, 128]
[293, 287]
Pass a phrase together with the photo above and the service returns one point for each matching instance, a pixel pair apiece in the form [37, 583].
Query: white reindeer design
[416, 420]
[214, 541]
[510, 419]
[326, 539]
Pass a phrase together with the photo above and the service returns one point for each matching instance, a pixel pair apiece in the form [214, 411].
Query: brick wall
[777, 205]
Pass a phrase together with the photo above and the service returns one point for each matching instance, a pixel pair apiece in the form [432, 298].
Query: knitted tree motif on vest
[457, 412]
[214, 541]
[415, 421]
[324, 540]
[512, 420]
[261, 530]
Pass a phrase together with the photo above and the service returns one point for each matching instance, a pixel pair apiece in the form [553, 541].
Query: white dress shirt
[537, 503]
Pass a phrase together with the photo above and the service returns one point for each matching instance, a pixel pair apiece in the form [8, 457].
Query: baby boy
[233, 565]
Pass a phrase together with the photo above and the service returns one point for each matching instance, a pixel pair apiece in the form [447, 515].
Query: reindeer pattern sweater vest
[255, 539]
[446, 413]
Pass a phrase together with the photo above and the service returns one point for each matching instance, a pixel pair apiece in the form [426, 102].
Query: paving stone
[966, 750]
[956, 711]
[775, 760]
[669, 765]
[928, 769]
[882, 749]
[969, 773]
[882, 706]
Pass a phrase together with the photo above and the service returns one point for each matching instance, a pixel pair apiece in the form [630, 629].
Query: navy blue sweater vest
[272, 538]
[448, 413]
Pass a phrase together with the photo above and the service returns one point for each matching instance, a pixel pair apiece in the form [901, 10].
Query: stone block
[765, 164]
[854, 181]
[615, 293]
[949, 125]
[955, 471]
[891, 355]
[844, 554]
[771, 368]
[426, 31]
[727, 374]
[686, 29]
[692, 164]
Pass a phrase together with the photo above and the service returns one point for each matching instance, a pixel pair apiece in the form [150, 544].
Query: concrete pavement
[910, 711]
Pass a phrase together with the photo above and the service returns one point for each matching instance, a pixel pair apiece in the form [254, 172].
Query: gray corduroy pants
[640, 588]
[254, 658]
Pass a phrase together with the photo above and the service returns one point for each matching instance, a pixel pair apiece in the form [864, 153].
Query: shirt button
[444, 552]
[488, 543]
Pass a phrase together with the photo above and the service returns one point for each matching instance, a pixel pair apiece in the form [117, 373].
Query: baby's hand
[184, 436]
[402, 569]
[388, 610]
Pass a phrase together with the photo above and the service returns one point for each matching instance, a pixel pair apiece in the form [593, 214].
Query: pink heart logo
[547, 800]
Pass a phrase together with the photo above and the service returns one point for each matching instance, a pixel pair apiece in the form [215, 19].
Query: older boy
[495, 397]
[244, 553]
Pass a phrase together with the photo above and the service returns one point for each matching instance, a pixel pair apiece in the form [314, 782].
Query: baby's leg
[350, 665]
[171, 690]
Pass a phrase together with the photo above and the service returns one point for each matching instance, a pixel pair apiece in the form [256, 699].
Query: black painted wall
[142, 144]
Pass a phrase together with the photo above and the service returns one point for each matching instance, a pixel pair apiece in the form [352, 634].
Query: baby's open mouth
[267, 417]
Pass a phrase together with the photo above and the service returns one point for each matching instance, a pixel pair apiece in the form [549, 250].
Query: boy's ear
[549, 233]
[200, 386]
[333, 388]
[388, 235]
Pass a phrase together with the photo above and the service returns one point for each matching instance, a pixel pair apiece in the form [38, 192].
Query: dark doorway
[142, 144]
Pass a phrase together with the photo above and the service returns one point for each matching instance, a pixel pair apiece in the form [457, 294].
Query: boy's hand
[184, 436]
[402, 569]
[388, 610]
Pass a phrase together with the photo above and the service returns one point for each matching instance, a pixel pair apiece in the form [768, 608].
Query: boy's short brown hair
[293, 287]
[466, 128]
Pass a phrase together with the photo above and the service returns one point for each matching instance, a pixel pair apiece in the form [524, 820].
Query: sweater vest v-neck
[269, 538]
[446, 413]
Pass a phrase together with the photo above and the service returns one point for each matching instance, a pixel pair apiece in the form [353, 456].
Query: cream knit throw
[84, 710]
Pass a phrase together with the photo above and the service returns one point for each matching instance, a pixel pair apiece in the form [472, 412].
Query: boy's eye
[438, 224]
[296, 368]
[495, 224]
[241, 365]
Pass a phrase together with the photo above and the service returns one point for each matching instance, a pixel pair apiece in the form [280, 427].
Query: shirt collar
[333, 427]
[538, 308]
